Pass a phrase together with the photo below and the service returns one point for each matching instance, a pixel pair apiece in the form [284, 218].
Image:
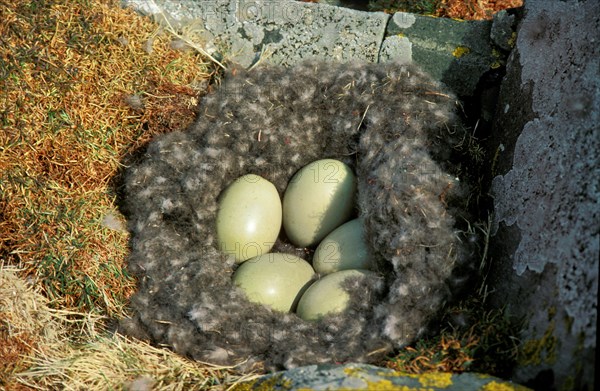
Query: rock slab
[276, 31]
[455, 52]
[546, 189]
[369, 377]
[288, 32]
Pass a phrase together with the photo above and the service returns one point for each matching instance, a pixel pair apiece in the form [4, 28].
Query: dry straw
[66, 130]
[68, 71]
[72, 351]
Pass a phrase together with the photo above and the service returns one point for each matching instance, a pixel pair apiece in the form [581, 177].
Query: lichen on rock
[545, 231]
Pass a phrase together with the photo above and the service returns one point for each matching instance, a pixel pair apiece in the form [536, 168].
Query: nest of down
[391, 123]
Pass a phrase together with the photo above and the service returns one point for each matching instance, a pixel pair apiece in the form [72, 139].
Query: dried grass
[22, 323]
[456, 9]
[474, 9]
[72, 351]
[70, 75]
[66, 129]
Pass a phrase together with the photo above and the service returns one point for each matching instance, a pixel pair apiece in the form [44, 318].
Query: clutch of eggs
[317, 204]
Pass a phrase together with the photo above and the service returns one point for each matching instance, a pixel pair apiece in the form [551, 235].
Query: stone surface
[546, 190]
[369, 377]
[503, 32]
[456, 52]
[287, 32]
[277, 31]
[396, 47]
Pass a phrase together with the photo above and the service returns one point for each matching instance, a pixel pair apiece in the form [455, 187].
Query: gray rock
[546, 190]
[286, 32]
[396, 47]
[369, 377]
[277, 31]
[456, 52]
[503, 31]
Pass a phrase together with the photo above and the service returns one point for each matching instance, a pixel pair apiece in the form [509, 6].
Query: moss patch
[485, 344]
[83, 86]
[66, 127]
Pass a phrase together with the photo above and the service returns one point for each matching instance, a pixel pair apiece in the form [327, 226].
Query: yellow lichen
[542, 350]
[499, 60]
[461, 51]
[439, 380]
[513, 39]
[385, 385]
[352, 371]
[495, 386]
[388, 385]
[433, 379]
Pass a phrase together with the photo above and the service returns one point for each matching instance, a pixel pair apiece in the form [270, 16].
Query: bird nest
[390, 122]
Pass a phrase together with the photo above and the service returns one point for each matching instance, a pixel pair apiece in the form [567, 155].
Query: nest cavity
[390, 122]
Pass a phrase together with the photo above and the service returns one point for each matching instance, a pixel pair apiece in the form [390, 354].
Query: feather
[387, 121]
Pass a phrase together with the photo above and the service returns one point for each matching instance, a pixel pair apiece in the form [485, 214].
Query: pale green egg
[249, 217]
[275, 279]
[344, 248]
[318, 199]
[327, 295]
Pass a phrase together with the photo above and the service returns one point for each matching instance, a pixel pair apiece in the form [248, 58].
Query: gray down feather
[391, 123]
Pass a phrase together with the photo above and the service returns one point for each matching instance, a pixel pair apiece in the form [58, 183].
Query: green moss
[551, 312]
[499, 59]
[541, 350]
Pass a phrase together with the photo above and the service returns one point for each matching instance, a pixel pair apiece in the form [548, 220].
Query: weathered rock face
[369, 377]
[281, 32]
[546, 190]
[288, 32]
[455, 52]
